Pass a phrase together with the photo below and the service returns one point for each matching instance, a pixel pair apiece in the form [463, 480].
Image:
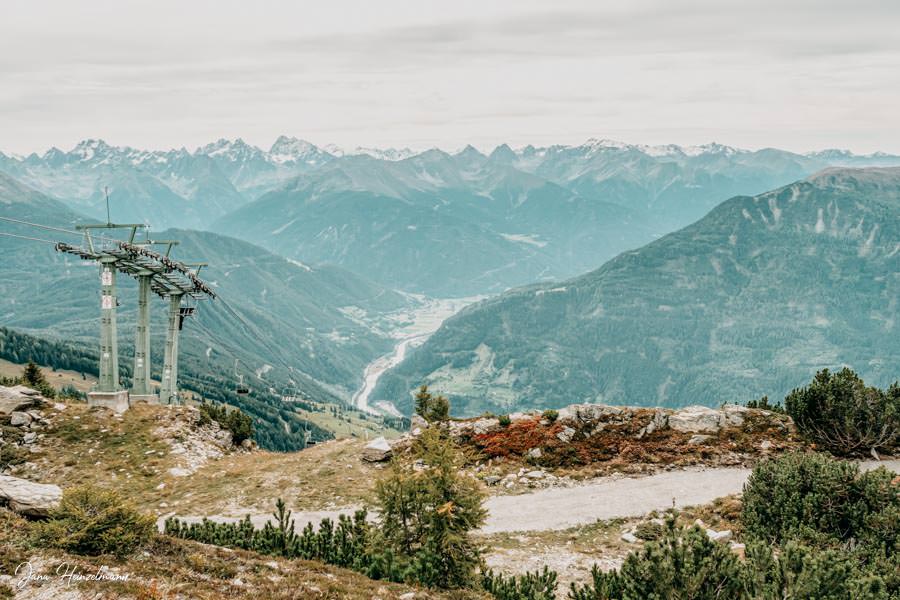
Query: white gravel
[598, 499]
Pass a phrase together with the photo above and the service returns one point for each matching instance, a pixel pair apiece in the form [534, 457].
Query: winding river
[415, 327]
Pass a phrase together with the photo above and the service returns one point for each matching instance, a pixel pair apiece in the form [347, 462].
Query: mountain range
[443, 224]
[313, 328]
[750, 300]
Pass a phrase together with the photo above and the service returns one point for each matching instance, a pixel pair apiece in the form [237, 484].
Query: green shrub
[683, 564]
[649, 531]
[841, 414]
[434, 409]
[92, 522]
[504, 420]
[551, 415]
[763, 404]
[239, 424]
[799, 571]
[540, 585]
[427, 516]
[603, 586]
[34, 378]
[816, 498]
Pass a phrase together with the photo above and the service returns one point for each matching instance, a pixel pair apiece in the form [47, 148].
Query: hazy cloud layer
[798, 75]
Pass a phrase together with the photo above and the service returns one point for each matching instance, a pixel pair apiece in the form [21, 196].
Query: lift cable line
[25, 237]
[172, 280]
[177, 281]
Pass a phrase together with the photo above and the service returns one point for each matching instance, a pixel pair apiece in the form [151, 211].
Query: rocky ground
[567, 490]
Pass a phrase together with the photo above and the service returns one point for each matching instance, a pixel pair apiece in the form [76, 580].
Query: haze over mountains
[323, 321]
[492, 221]
[317, 247]
[750, 300]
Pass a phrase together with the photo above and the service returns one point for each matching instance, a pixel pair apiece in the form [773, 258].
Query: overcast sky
[791, 74]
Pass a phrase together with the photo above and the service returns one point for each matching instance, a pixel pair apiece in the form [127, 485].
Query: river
[414, 327]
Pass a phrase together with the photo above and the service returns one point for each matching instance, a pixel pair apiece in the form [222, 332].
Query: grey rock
[485, 425]
[535, 474]
[766, 445]
[696, 419]
[733, 415]
[492, 480]
[29, 437]
[29, 498]
[535, 453]
[19, 419]
[566, 435]
[377, 450]
[719, 536]
[629, 537]
[18, 398]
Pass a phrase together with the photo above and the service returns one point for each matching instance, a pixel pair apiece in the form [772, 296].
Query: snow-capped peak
[232, 149]
[89, 149]
[392, 154]
[291, 149]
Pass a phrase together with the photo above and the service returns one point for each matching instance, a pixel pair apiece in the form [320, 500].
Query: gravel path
[604, 498]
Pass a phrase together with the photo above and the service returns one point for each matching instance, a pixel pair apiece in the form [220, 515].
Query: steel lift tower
[141, 389]
[157, 273]
[108, 392]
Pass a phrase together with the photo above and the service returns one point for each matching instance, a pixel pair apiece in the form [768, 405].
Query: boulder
[695, 419]
[719, 536]
[630, 538]
[19, 419]
[590, 413]
[520, 416]
[29, 498]
[535, 474]
[18, 398]
[485, 425]
[492, 479]
[535, 453]
[377, 450]
[566, 435]
[733, 415]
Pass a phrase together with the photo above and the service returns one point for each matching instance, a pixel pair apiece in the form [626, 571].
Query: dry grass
[173, 568]
[324, 476]
[57, 379]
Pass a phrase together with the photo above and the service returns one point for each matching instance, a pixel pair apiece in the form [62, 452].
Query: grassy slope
[171, 567]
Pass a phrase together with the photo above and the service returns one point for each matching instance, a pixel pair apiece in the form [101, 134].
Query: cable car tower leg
[140, 389]
[168, 393]
[107, 392]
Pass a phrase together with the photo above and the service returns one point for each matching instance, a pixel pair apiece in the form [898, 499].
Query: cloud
[168, 74]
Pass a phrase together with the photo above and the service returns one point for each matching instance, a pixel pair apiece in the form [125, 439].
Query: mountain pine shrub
[540, 585]
[239, 424]
[427, 515]
[34, 378]
[434, 409]
[92, 522]
[844, 416]
[816, 498]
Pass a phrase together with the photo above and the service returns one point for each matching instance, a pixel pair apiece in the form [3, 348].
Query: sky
[793, 74]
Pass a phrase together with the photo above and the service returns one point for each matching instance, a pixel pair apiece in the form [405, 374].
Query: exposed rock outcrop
[29, 498]
[377, 450]
[19, 398]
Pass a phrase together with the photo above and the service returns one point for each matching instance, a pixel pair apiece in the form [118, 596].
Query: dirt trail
[604, 498]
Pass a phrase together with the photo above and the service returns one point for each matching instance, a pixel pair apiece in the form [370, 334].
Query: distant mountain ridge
[448, 224]
[321, 321]
[750, 300]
